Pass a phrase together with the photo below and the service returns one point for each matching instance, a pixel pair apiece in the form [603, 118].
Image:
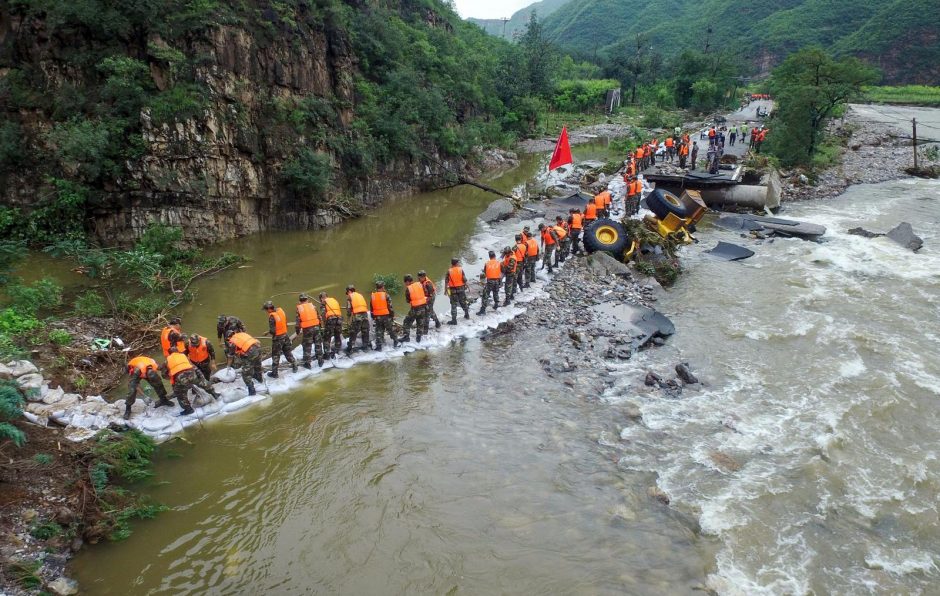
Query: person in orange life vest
[575, 228]
[223, 325]
[510, 268]
[600, 202]
[430, 290]
[200, 352]
[531, 256]
[564, 244]
[358, 319]
[183, 377]
[280, 343]
[418, 314]
[492, 276]
[712, 133]
[518, 251]
[309, 327]
[172, 335]
[140, 368]
[383, 315]
[332, 317]
[632, 199]
[455, 285]
[550, 241]
[248, 357]
[670, 148]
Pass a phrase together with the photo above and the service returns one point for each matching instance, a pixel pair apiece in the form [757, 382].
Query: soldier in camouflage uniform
[186, 380]
[418, 315]
[493, 276]
[358, 319]
[456, 289]
[530, 260]
[509, 268]
[280, 341]
[249, 360]
[564, 247]
[519, 251]
[141, 368]
[383, 315]
[548, 248]
[332, 317]
[430, 290]
[223, 325]
[309, 327]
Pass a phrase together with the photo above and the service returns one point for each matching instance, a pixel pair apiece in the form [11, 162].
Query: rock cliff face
[218, 173]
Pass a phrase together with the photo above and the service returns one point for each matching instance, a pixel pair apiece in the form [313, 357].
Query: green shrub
[45, 293]
[90, 304]
[60, 337]
[308, 173]
[45, 529]
[393, 283]
[11, 408]
[81, 147]
[179, 103]
[14, 322]
[43, 459]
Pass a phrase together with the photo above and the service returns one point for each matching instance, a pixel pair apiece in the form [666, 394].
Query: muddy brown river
[467, 470]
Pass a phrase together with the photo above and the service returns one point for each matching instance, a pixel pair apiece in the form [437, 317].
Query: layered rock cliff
[240, 93]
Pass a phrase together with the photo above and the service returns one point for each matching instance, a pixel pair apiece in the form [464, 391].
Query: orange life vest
[547, 237]
[561, 232]
[492, 269]
[507, 261]
[577, 221]
[532, 247]
[685, 139]
[243, 342]
[331, 308]
[198, 353]
[669, 142]
[683, 150]
[429, 288]
[380, 303]
[590, 212]
[601, 199]
[519, 253]
[711, 133]
[358, 303]
[455, 277]
[177, 363]
[416, 295]
[141, 365]
[308, 315]
[280, 321]
[165, 341]
[639, 153]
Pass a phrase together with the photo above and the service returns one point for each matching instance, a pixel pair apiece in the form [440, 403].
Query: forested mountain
[902, 37]
[232, 116]
[517, 22]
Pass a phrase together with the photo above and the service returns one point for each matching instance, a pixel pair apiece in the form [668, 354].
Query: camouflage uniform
[205, 367]
[431, 292]
[250, 363]
[312, 341]
[565, 247]
[530, 263]
[358, 324]
[491, 288]
[185, 381]
[333, 330]
[383, 325]
[549, 251]
[417, 316]
[225, 325]
[154, 379]
[458, 297]
[280, 344]
[509, 277]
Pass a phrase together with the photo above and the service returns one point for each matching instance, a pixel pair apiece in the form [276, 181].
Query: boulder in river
[498, 210]
[63, 586]
[682, 369]
[904, 235]
[864, 233]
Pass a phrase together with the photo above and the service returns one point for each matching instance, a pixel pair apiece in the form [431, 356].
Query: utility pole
[914, 123]
[708, 37]
[504, 20]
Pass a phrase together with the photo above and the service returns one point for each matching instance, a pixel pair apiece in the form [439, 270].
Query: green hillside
[519, 19]
[899, 36]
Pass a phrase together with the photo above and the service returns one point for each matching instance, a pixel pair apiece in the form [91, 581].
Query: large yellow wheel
[606, 235]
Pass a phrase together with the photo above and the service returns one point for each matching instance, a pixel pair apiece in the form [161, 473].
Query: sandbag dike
[83, 417]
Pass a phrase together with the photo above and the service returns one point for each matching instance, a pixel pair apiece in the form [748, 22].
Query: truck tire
[606, 235]
[662, 203]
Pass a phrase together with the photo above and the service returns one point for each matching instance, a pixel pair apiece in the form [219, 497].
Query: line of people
[190, 361]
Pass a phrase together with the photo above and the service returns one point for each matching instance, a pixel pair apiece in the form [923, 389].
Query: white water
[822, 365]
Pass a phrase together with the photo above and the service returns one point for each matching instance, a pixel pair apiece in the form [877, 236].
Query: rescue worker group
[190, 361]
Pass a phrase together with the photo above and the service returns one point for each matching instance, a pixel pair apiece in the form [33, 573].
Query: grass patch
[919, 95]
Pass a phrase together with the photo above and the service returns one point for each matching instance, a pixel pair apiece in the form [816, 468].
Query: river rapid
[468, 470]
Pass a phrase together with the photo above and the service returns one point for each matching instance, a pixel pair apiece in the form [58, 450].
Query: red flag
[562, 154]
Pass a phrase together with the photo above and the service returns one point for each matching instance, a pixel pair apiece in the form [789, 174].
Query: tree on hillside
[539, 56]
[809, 86]
[632, 63]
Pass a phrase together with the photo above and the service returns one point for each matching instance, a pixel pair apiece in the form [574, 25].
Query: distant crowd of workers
[190, 361]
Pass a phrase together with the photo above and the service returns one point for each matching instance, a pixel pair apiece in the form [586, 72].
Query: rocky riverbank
[873, 152]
